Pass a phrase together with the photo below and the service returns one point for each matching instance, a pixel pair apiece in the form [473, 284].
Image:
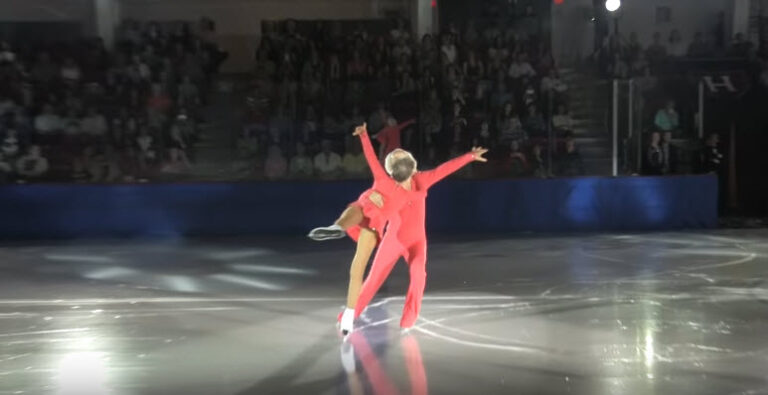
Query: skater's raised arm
[431, 177]
[370, 155]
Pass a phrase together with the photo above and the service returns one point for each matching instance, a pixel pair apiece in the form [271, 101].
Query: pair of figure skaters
[391, 214]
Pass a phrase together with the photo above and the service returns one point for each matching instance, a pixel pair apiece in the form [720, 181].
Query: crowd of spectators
[492, 84]
[668, 103]
[78, 111]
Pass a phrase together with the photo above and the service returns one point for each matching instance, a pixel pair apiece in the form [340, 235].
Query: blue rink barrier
[454, 206]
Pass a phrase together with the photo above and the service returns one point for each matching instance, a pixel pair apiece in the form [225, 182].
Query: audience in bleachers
[489, 85]
[77, 111]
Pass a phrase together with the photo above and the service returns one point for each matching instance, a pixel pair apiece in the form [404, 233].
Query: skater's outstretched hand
[377, 199]
[478, 153]
[361, 129]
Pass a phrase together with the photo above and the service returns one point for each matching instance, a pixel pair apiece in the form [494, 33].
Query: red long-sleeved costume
[394, 196]
[408, 241]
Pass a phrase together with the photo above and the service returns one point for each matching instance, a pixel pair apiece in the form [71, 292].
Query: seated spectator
[711, 157]
[275, 166]
[676, 47]
[534, 123]
[510, 127]
[529, 93]
[633, 48]
[667, 119]
[72, 124]
[248, 144]
[301, 164]
[473, 68]
[669, 154]
[178, 149]
[483, 136]
[449, 48]
[656, 52]
[70, 72]
[32, 165]
[188, 93]
[97, 166]
[654, 157]
[552, 83]
[327, 162]
[740, 47]
[538, 163]
[521, 68]
[6, 53]
[562, 121]
[48, 121]
[516, 164]
[10, 145]
[7, 105]
[699, 48]
[94, 124]
[159, 101]
[147, 150]
[354, 163]
[570, 163]
[6, 169]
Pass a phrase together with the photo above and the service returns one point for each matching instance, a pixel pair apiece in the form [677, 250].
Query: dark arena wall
[454, 206]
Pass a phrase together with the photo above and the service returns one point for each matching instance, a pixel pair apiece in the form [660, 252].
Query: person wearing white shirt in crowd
[70, 71]
[327, 162]
[520, 68]
[301, 164]
[33, 164]
[6, 54]
[10, 145]
[48, 122]
[94, 123]
[552, 82]
[449, 49]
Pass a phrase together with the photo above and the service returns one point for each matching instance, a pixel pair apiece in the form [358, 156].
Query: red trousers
[386, 257]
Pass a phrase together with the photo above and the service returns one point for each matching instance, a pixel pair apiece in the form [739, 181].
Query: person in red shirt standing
[409, 240]
[389, 137]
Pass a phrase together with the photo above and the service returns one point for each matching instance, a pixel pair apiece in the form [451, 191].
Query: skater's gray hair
[400, 164]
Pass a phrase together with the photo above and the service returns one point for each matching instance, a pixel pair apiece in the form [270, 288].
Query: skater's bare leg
[365, 245]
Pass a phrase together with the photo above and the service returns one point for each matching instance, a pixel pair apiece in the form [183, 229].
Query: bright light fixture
[612, 5]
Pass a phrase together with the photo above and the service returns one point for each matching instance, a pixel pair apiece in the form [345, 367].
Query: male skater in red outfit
[409, 240]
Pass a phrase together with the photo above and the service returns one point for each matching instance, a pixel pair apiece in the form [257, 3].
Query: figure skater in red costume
[365, 219]
[409, 240]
